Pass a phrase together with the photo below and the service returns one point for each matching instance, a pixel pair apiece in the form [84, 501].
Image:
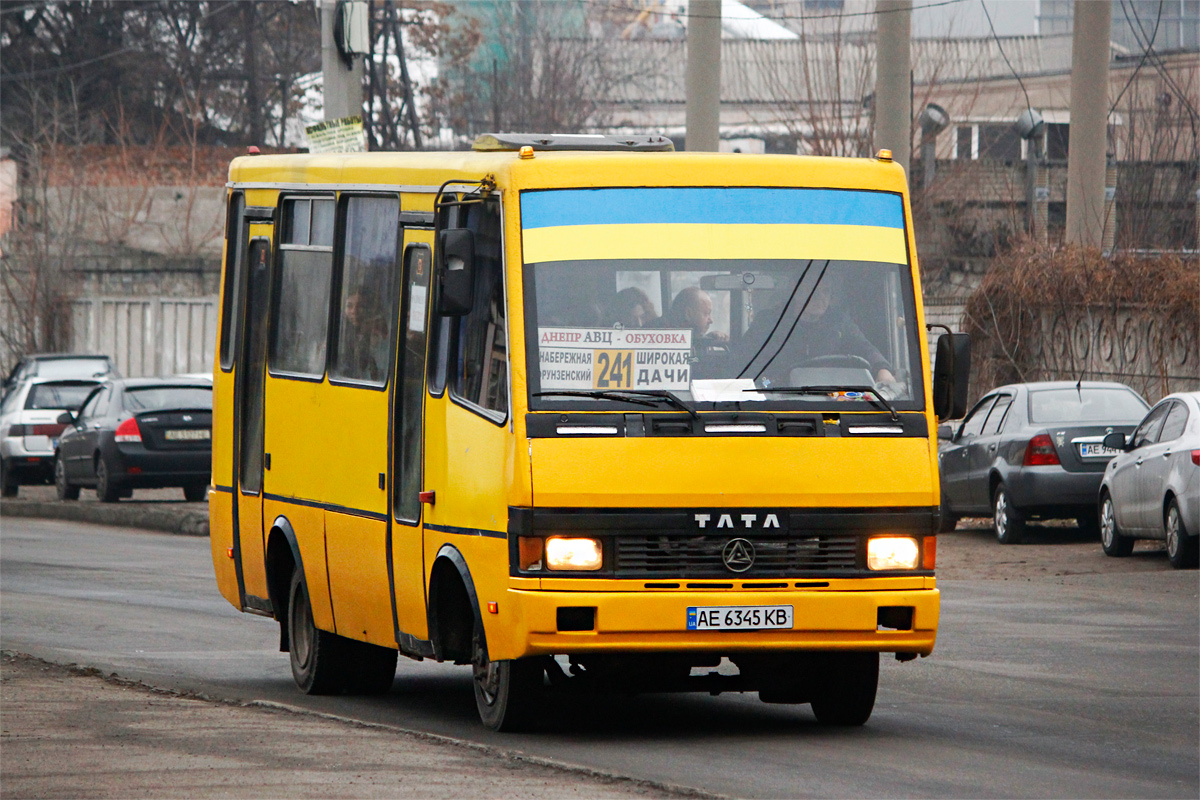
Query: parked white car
[1151, 489]
[29, 429]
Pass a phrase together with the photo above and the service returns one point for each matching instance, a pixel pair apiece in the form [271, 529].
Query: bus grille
[700, 556]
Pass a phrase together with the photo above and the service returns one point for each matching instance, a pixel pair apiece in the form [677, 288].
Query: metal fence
[147, 335]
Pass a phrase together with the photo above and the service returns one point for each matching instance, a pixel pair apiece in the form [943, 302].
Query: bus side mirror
[456, 272]
[951, 372]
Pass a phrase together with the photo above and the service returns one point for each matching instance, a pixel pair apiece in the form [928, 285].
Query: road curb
[166, 520]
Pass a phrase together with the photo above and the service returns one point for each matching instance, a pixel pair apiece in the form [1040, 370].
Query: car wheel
[195, 492]
[946, 521]
[1007, 520]
[1111, 540]
[64, 488]
[506, 692]
[317, 656]
[847, 689]
[8, 481]
[107, 488]
[1182, 550]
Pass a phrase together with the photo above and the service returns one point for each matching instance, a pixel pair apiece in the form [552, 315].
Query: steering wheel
[837, 360]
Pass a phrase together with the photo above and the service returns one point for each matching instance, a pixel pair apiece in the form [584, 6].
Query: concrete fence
[147, 335]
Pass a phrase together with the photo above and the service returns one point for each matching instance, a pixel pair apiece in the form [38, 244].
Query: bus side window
[304, 281]
[481, 366]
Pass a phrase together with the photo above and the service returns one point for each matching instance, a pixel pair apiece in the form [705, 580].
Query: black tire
[1008, 521]
[1182, 549]
[317, 656]
[195, 492]
[846, 695]
[1111, 540]
[947, 522]
[368, 669]
[108, 490]
[62, 487]
[506, 692]
[1089, 524]
[8, 481]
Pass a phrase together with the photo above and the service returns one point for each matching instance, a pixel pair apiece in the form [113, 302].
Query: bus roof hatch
[573, 141]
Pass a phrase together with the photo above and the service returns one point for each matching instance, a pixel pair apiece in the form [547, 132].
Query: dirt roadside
[72, 733]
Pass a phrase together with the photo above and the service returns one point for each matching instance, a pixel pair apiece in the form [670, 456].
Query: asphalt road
[1061, 686]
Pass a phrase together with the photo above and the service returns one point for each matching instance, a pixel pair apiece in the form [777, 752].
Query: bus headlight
[893, 552]
[573, 554]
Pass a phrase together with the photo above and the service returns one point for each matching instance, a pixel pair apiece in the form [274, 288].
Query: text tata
[748, 520]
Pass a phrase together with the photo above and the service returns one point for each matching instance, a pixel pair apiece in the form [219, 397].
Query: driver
[825, 330]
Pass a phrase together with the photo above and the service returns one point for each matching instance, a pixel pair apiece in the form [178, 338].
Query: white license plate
[195, 434]
[738, 618]
[1096, 450]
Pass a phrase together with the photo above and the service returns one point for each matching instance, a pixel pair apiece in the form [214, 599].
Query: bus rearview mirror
[951, 372]
[456, 272]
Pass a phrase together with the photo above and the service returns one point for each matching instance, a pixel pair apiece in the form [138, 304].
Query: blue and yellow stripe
[712, 223]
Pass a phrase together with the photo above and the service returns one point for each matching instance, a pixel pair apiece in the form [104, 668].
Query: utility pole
[893, 79]
[343, 85]
[703, 83]
[1088, 153]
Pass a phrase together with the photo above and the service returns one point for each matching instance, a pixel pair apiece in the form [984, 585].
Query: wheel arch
[283, 558]
[453, 607]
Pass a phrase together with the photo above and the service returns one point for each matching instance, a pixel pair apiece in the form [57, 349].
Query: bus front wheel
[506, 692]
[846, 694]
[316, 655]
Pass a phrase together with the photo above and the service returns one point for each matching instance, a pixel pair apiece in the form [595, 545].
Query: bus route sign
[608, 358]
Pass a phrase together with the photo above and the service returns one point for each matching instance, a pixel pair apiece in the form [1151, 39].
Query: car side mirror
[951, 374]
[946, 432]
[455, 272]
[66, 418]
[1115, 441]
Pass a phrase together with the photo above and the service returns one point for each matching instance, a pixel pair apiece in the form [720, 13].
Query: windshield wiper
[875, 396]
[634, 396]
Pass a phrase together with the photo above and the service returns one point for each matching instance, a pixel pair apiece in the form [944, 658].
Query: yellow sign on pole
[343, 135]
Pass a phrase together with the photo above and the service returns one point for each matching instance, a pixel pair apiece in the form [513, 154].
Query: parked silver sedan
[1151, 489]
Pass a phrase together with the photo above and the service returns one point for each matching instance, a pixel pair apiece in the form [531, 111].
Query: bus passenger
[363, 347]
[692, 308]
[631, 308]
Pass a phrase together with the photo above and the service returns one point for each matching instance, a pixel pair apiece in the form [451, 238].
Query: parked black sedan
[1033, 451]
[138, 433]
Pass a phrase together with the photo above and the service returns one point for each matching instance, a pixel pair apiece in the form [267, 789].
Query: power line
[1145, 53]
[1158, 65]
[1000, 47]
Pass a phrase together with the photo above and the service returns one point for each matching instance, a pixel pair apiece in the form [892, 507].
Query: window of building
[304, 279]
[366, 319]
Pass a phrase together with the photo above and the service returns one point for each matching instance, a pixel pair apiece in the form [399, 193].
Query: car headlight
[893, 552]
[573, 554]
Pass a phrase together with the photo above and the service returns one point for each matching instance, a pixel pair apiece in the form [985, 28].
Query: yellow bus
[583, 413]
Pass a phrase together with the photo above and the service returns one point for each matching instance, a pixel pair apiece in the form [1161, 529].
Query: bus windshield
[803, 329]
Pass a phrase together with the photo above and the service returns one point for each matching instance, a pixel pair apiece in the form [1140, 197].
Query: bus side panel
[358, 579]
[220, 535]
[254, 558]
[309, 526]
[468, 463]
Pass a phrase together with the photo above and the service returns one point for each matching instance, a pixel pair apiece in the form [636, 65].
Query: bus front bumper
[656, 622]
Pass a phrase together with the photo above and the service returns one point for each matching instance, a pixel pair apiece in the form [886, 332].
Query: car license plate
[192, 435]
[738, 618]
[1096, 450]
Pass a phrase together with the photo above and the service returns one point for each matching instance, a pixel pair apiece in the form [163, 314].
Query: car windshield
[67, 396]
[708, 329]
[1086, 405]
[155, 398]
[72, 368]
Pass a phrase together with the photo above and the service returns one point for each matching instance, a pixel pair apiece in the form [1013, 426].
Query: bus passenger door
[408, 563]
[248, 449]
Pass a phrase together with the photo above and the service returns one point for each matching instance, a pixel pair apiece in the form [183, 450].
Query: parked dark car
[138, 433]
[64, 366]
[1151, 489]
[1033, 451]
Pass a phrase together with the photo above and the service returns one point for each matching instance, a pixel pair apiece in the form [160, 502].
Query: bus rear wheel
[847, 686]
[317, 656]
[506, 692]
